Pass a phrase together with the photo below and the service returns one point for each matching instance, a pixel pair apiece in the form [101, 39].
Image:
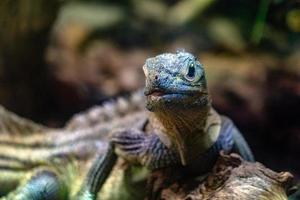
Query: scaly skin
[40, 163]
[73, 163]
[182, 128]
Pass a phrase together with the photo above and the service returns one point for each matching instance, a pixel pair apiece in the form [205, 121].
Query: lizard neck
[187, 130]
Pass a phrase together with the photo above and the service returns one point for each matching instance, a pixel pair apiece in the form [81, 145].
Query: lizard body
[58, 160]
[181, 129]
[181, 116]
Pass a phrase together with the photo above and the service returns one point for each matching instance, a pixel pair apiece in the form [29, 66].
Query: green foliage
[260, 21]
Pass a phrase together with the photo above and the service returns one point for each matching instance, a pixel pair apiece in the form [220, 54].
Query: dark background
[59, 57]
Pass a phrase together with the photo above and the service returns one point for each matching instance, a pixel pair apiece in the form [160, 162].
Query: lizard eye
[190, 73]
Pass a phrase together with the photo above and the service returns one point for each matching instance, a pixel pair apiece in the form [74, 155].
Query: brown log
[231, 179]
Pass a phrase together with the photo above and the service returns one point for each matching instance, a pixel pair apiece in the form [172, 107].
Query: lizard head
[174, 81]
[176, 92]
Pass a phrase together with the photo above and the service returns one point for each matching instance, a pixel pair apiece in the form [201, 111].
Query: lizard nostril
[156, 77]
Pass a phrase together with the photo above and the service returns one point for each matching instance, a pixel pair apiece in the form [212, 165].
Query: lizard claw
[131, 144]
[137, 147]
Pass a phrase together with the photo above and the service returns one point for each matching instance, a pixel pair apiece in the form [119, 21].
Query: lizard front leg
[133, 145]
[148, 150]
[240, 145]
[42, 184]
[97, 175]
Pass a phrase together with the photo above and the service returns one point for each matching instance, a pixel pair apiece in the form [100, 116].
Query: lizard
[179, 128]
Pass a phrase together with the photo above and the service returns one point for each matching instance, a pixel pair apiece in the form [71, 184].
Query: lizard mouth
[156, 93]
[168, 96]
[167, 93]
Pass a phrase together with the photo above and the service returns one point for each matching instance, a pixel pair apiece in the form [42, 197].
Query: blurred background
[60, 57]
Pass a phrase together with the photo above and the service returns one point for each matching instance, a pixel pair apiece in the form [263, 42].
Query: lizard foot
[135, 146]
[131, 144]
[42, 184]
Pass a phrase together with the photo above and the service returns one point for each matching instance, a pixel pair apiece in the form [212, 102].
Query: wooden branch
[231, 179]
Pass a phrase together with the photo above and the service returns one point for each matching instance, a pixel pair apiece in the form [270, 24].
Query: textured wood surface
[232, 178]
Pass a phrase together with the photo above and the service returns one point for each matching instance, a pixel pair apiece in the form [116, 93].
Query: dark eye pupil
[191, 72]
